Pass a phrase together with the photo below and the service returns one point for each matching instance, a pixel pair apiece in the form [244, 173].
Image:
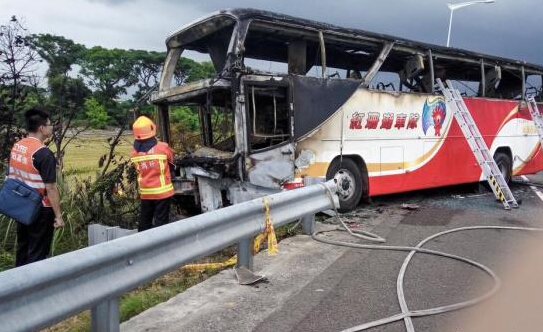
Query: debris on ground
[330, 213]
[477, 195]
[246, 276]
[410, 206]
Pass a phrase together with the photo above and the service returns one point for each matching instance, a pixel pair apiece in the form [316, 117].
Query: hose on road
[406, 314]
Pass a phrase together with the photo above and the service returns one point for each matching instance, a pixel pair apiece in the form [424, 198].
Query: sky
[507, 28]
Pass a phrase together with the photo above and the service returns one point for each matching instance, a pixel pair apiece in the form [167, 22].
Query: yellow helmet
[143, 128]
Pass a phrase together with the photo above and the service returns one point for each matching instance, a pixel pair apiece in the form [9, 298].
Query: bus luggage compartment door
[271, 168]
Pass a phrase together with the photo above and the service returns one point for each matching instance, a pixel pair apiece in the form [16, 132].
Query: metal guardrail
[38, 295]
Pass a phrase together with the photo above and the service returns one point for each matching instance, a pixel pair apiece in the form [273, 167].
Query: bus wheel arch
[504, 160]
[353, 184]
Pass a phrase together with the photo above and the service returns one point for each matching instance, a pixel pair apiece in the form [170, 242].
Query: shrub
[96, 114]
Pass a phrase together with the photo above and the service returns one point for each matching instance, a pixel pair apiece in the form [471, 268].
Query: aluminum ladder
[536, 116]
[492, 173]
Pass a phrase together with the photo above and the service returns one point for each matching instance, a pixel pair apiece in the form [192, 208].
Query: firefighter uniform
[152, 160]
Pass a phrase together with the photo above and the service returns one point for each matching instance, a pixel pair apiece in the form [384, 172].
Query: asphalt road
[318, 287]
[361, 284]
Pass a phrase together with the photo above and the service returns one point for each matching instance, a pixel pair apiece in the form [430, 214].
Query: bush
[186, 117]
[96, 114]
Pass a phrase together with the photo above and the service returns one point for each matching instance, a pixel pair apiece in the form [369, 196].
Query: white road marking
[537, 192]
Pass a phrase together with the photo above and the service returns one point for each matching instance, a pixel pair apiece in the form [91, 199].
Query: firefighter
[154, 163]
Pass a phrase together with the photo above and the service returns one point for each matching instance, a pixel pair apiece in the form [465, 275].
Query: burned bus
[339, 103]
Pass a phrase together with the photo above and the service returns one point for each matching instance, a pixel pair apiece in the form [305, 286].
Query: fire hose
[406, 313]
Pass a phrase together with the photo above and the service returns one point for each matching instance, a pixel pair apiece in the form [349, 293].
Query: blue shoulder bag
[19, 201]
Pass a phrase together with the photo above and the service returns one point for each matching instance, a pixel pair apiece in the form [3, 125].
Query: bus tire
[351, 184]
[505, 165]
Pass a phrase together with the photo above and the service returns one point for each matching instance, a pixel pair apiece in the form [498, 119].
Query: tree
[188, 70]
[66, 94]
[60, 53]
[96, 113]
[110, 73]
[18, 64]
[147, 67]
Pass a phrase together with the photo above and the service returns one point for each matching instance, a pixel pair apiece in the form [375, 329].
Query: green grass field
[83, 153]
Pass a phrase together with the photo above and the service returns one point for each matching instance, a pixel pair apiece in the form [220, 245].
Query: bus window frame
[284, 83]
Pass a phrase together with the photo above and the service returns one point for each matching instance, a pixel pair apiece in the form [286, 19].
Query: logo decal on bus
[433, 115]
[387, 121]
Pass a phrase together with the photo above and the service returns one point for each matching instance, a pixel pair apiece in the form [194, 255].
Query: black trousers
[159, 209]
[34, 240]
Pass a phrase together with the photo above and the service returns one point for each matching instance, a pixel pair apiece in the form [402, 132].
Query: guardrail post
[308, 224]
[245, 253]
[105, 315]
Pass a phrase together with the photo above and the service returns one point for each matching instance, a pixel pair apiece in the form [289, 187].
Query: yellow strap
[269, 232]
[157, 190]
[149, 157]
[257, 242]
[204, 266]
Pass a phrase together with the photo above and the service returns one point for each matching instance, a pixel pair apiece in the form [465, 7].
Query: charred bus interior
[325, 65]
[217, 145]
[268, 115]
[383, 63]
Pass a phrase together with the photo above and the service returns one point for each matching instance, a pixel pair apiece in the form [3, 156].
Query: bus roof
[184, 36]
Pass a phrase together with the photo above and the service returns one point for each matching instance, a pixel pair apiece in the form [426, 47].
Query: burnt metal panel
[316, 99]
[200, 29]
[164, 122]
[377, 64]
[271, 168]
[297, 57]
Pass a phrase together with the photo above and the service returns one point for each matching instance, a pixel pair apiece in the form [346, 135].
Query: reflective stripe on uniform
[149, 157]
[30, 176]
[157, 190]
[30, 183]
[162, 179]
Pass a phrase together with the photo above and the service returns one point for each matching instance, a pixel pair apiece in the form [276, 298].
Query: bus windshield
[210, 37]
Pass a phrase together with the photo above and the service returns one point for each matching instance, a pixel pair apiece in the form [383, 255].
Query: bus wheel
[349, 181]
[504, 164]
